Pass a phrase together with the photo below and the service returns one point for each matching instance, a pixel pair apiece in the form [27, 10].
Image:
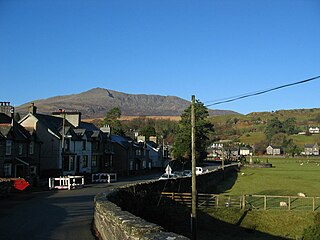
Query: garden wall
[116, 213]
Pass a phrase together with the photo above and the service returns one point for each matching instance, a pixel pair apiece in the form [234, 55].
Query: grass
[287, 177]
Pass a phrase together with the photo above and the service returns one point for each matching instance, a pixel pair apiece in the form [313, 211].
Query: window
[66, 163]
[8, 147]
[84, 145]
[131, 165]
[67, 144]
[94, 160]
[31, 148]
[85, 161]
[20, 148]
[7, 169]
[71, 163]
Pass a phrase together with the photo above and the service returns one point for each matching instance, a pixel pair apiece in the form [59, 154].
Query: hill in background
[96, 102]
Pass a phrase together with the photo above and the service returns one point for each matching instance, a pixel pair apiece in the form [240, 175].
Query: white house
[273, 150]
[314, 130]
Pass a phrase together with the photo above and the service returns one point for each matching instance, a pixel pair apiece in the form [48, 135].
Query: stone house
[273, 150]
[155, 154]
[311, 149]
[66, 142]
[130, 157]
[19, 149]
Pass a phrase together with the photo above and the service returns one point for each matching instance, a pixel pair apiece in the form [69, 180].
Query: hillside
[96, 102]
[249, 129]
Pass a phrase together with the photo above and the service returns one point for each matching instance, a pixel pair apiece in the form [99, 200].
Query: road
[54, 215]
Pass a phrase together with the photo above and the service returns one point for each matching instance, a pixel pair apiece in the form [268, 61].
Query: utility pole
[194, 164]
[62, 139]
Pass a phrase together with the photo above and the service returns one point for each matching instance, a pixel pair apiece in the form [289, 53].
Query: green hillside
[250, 129]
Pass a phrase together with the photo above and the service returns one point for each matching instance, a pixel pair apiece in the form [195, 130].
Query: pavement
[57, 214]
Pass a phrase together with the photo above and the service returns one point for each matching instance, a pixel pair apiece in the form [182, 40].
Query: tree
[274, 126]
[182, 144]
[112, 119]
[289, 126]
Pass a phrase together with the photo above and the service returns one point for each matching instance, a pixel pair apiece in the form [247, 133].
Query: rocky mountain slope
[96, 102]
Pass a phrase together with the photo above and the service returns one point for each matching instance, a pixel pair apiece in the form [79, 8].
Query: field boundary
[245, 202]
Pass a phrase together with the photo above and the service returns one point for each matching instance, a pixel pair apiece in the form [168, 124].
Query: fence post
[217, 201]
[265, 202]
[244, 202]
[313, 204]
[289, 203]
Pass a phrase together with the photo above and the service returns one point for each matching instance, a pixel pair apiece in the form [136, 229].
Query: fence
[104, 177]
[262, 202]
[66, 182]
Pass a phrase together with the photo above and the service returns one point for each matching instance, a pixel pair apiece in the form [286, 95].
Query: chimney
[32, 109]
[12, 112]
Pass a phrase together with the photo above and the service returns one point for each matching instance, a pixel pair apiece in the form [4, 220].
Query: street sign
[168, 170]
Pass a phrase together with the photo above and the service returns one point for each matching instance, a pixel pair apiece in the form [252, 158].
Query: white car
[168, 176]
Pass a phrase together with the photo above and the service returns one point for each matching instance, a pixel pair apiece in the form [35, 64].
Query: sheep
[283, 204]
[300, 194]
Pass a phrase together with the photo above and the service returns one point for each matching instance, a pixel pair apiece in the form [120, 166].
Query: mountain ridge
[96, 102]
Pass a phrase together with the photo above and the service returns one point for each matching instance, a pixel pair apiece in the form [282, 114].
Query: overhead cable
[232, 99]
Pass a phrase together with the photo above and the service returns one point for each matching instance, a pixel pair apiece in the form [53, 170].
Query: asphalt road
[55, 215]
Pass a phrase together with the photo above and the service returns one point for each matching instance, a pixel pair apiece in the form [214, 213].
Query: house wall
[50, 147]
[155, 156]
[121, 160]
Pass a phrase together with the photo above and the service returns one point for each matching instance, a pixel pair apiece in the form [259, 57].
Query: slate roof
[7, 125]
[120, 140]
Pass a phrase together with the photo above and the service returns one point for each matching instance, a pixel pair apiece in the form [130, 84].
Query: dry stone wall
[114, 221]
[114, 224]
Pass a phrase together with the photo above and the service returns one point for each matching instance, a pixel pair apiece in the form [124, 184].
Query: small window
[20, 149]
[85, 161]
[7, 169]
[84, 145]
[8, 147]
[31, 148]
[94, 161]
[71, 163]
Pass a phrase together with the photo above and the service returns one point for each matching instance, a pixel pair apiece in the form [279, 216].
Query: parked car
[168, 176]
[187, 173]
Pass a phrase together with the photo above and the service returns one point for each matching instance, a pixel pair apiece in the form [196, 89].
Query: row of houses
[62, 144]
[233, 152]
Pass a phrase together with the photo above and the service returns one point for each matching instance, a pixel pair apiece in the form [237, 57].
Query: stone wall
[116, 213]
[114, 224]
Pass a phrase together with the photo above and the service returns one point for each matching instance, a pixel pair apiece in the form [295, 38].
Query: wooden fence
[259, 202]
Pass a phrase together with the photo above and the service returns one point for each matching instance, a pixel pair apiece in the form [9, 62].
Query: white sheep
[283, 204]
[300, 194]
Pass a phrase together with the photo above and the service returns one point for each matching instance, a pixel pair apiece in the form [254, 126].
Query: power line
[232, 99]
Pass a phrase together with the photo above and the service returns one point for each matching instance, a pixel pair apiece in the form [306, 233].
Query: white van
[199, 170]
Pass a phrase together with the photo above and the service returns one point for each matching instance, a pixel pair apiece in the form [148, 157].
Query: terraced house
[69, 146]
[19, 149]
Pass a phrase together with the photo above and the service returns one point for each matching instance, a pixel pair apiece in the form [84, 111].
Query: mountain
[98, 101]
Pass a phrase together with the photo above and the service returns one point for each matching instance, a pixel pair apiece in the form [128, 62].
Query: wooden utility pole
[194, 164]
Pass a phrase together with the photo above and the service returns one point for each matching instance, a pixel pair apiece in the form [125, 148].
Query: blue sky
[211, 48]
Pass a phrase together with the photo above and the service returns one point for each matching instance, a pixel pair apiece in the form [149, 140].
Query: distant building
[314, 130]
[311, 149]
[273, 150]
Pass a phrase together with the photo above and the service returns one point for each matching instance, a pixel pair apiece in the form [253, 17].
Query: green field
[287, 177]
